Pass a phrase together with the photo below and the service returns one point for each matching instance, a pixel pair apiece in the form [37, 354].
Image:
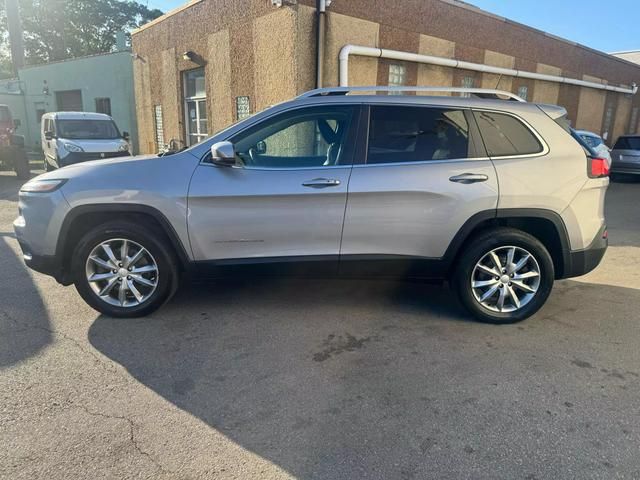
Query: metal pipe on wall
[321, 9]
[349, 50]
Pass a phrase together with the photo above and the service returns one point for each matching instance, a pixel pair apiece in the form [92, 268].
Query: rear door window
[627, 143]
[400, 134]
[505, 135]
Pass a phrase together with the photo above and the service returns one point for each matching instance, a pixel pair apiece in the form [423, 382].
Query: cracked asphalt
[322, 379]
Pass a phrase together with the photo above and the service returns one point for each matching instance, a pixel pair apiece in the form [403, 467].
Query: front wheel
[122, 269]
[504, 276]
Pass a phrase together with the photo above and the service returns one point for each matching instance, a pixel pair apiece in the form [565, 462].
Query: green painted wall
[99, 76]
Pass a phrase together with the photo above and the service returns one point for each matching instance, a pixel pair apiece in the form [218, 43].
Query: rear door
[425, 175]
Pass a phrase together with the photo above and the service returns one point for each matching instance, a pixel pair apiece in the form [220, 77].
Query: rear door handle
[467, 178]
[321, 183]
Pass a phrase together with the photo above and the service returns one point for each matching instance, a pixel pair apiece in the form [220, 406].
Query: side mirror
[223, 154]
[261, 147]
[125, 135]
[48, 135]
[16, 122]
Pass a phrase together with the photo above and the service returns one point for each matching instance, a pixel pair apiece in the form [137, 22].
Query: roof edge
[169, 14]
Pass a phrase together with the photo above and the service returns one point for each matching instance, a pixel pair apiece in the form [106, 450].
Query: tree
[61, 29]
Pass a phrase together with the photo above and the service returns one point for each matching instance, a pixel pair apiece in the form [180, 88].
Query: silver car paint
[417, 200]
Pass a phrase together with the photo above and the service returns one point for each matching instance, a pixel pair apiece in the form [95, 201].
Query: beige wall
[547, 92]
[144, 116]
[591, 107]
[219, 81]
[343, 30]
[623, 116]
[497, 59]
[433, 75]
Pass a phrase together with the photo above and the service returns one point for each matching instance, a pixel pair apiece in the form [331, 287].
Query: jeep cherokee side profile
[495, 195]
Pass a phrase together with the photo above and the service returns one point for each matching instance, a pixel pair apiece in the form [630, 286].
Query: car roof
[77, 116]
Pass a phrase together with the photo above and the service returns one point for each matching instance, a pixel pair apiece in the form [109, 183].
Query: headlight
[42, 186]
[72, 147]
[123, 148]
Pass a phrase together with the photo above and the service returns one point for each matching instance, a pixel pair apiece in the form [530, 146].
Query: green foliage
[61, 29]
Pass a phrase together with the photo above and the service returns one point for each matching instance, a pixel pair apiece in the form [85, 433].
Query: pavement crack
[132, 436]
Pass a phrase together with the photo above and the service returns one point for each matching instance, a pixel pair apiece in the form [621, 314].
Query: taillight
[598, 167]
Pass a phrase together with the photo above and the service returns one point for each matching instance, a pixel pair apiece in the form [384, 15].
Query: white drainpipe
[349, 50]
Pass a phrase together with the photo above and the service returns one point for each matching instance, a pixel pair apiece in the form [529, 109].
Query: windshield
[628, 143]
[87, 129]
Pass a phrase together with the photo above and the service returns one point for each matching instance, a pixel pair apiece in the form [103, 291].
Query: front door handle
[467, 178]
[321, 183]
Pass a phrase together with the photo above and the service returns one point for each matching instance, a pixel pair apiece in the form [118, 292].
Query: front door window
[195, 100]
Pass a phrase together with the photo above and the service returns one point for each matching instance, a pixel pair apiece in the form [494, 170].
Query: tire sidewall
[483, 245]
[149, 239]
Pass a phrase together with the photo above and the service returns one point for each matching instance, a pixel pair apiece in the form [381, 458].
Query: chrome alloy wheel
[121, 272]
[505, 279]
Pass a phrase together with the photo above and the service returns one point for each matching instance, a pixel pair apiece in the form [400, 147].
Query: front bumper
[584, 261]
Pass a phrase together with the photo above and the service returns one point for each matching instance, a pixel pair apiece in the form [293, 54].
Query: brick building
[205, 65]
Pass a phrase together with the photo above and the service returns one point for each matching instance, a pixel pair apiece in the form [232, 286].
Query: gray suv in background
[625, 156]
[495, 195]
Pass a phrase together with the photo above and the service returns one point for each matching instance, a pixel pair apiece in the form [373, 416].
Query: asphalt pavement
[322, 379]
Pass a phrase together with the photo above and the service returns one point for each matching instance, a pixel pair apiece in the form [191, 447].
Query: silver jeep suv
[498, 196]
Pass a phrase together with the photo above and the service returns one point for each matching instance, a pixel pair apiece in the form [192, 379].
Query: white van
[72, 137]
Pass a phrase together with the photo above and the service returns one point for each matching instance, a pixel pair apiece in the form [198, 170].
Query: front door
[424, 177]
[285, 201]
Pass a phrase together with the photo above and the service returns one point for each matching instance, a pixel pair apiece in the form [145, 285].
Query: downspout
[321, 9]
[349, 50]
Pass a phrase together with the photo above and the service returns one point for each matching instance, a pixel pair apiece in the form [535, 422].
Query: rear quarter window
[505, 136]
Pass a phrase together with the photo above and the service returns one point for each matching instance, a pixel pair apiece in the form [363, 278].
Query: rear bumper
[584, 261]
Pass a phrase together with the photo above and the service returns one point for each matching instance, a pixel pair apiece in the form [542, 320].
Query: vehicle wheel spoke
[523, 286]
[133, 260]
[102, 263]
[525, 276]
[485, 283]
[486, 295]
[122, 293]
[96, 277]
[501, 298]
[510, 254]
[496, 260]
[108, 287]
[514, 297]
[144, 281]
[489, 270]
[145, 269]
[135, 291]
[522, 262]
[124, 252]
[110, 254]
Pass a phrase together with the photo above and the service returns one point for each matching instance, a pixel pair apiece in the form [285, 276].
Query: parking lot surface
[322, 379]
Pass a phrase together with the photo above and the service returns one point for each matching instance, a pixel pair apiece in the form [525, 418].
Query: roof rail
[477, 92]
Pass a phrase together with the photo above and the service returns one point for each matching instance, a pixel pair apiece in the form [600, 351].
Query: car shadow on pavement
[347, 379]
[24, 322]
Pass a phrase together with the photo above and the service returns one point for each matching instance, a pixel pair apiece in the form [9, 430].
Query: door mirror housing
[125, 135]
[48, 135]
[224, 154]
[261, 147]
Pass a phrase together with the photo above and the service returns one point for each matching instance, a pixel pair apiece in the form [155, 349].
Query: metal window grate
[243, 107]
[157, 111]
[523, 92]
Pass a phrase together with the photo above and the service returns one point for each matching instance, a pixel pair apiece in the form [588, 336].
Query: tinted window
[628, 143]
[87, 129]
[309, 137]
[505, 135]
[416, 134]
[593, 142]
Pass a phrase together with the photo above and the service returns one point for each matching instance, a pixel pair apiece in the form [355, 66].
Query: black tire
[482, 245]
[21, 163]
[148, 236]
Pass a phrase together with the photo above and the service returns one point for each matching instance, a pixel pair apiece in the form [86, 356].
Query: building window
[69, 101]
[103, 105]
[467, 82]
[195, 106]
[523, 92]
[243, 108]
[41, 109]
[397, 77]
[633, 124]
[606, 125]
[157, 115]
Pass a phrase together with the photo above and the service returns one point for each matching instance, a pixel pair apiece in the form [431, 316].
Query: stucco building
[97, 83]
[205, 65]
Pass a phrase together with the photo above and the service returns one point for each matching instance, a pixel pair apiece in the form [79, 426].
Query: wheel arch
[546, 225]
[85, 217]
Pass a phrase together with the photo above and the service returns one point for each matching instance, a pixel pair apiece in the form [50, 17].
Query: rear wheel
[21, 163]
[124, 270]
[504, 276]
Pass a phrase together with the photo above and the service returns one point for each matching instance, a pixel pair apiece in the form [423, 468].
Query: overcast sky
[608, 26]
